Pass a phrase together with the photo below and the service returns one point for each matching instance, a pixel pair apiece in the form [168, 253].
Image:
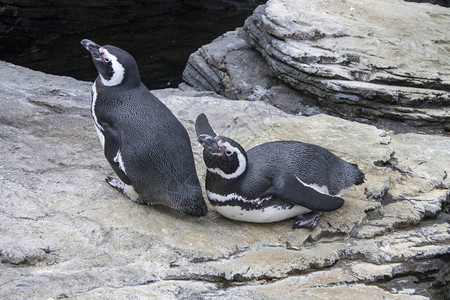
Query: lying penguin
[145, 144]
[273, 181]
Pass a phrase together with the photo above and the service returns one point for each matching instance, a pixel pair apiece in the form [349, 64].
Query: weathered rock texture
[359, 59]
[66, 233]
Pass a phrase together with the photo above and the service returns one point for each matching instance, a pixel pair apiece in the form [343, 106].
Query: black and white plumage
[145, 144]
[273, 181]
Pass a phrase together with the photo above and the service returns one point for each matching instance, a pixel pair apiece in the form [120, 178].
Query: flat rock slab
[357, 59]
[360, 58]
[66, 233]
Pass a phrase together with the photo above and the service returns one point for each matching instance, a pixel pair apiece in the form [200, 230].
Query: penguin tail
[360, 177]
[194, 205]
[200, 210]
[187, 197]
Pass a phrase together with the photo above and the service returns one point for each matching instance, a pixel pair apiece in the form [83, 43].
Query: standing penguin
[273, 181]
[145, 144]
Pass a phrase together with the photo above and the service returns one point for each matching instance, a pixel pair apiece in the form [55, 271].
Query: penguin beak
[210, 144]
[93, 48]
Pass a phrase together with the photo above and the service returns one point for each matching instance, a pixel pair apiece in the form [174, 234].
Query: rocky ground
[66, 233]
[383, 61]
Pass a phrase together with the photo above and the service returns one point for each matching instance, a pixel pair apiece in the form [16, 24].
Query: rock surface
[66, 233]
[357, 59]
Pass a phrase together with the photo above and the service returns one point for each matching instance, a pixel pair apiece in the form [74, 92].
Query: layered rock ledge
[384, 60]
[66, 233]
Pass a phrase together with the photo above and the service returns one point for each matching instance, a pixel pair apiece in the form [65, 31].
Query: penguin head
[222, 155]
[114, 65]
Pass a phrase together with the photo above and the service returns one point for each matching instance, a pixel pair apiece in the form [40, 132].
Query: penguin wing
[202, 126]
[112, 151]
[289, 188]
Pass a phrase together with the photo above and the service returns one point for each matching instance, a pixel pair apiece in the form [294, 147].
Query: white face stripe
[98, 127]
[118, 69]
[239, 171]
[266, 215]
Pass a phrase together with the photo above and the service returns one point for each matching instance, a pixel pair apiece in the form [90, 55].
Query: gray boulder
[66, 233]
[357, 59]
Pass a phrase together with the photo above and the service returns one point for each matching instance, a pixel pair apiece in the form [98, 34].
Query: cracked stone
[66, 233]
[336, 57]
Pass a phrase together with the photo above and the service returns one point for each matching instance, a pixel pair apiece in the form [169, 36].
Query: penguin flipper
[112, 151]
[289, 188]
[202, 126]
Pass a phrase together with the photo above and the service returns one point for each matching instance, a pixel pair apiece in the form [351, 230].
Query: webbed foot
[117, 184]
[125, 189]
[308, 220]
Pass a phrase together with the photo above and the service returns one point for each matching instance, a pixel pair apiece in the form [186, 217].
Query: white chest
[256, 210]
[98, 127]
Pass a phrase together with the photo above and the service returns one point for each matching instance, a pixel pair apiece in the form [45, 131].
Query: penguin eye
[228, 152]
[107, 59]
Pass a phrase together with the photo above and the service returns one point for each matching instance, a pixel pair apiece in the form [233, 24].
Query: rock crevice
[357, 59]
[66, 233]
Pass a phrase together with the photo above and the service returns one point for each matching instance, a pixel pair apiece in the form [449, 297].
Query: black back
[267, 162]
[154, 146]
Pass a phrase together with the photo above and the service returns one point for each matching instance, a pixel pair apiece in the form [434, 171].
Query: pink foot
[308, 220]
[118, 185]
